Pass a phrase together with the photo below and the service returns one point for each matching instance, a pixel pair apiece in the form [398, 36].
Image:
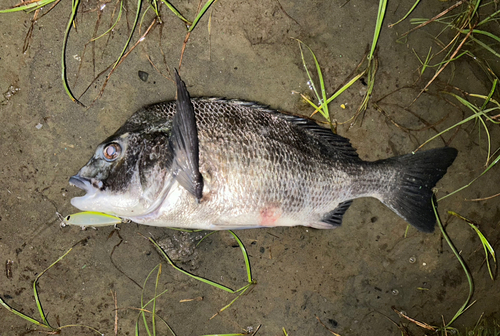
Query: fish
[221, 164]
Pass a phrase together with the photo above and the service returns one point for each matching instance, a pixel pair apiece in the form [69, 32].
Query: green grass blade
[370, 71]
[183, 230]
[488, 136]
[482, 32]
[39, 306]
[74, 9]
[137, 324]
[489, 18]
[28, 7]
[243, 290]
[477, 113]
[113, 26]
[26, 317]
[35, 292]
[487, 248]
[145, 13]
[465, 306]
[425, 63]
[136, 20]
[200, 14]
[476, 6]
[427, 60]
[404, 17]
[486, 110]
[378, 26]
[488, 99]
[345, 87]
[245, 256]
[81, 326]
[311, 82]
[176, 12]
[485, 46]
[439, 64]
[322, 99]
[153, 314]
[324, 105]
[486, 244]
[335, 95]
[44, 322]
[209, 282]
[154, 298]
[474, 180]
[168, 326]
[202, 239]
[225, 335]
[316, 108]
[143, 306]
[154, 4]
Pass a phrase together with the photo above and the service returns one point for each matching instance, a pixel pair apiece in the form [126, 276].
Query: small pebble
[143, 75]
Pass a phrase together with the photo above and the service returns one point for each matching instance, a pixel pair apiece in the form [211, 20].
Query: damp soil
[347, 278]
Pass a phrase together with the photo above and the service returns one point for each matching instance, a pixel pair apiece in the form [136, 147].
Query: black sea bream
[220, 164]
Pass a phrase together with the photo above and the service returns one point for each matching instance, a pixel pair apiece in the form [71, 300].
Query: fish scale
[211, 163]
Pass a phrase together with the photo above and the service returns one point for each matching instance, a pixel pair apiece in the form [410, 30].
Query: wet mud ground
[348, 277]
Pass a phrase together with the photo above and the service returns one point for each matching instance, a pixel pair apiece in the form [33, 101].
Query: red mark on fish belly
[269, 216]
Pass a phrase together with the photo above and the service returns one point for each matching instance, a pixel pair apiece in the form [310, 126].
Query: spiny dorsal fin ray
[334, 144]
[184, 143]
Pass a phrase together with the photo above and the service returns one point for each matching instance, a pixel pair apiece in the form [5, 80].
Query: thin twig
[444, 66]
[184, 48]
[255, 332]
[154, 66]
[420, 324]
[284, 12]
[434, 18]
[483, 199]
[123, 58]
[116, 312]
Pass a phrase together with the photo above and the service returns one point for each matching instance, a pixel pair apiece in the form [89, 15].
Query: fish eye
[111, 151]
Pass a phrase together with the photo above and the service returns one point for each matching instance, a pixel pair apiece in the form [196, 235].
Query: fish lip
[80, 182]
[84, 202]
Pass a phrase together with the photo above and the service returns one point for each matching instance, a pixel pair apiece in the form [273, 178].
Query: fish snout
[80, 182]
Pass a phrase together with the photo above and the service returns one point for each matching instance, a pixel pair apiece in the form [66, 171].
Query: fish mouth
[83, 202]
[80, 182]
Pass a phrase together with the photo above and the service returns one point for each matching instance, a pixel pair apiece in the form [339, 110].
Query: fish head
[129, 174]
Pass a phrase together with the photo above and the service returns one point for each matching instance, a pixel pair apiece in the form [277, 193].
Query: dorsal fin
[334, 144]
[184, 143]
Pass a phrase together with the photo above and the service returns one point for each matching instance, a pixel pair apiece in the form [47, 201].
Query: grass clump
[43, 322]
[482, 328]
[37, 5]
[239, 291]
[370, 59]
[467, 30]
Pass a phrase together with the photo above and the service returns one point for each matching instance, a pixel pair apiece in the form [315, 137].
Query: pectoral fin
[184, 143]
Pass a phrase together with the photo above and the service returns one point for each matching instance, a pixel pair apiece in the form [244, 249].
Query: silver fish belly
[225, 164]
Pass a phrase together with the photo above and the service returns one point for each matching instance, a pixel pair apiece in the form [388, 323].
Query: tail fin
[417, 174]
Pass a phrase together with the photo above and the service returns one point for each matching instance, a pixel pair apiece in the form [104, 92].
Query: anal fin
[334, 217]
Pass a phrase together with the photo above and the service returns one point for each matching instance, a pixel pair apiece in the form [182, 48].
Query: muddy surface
[348, 278]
